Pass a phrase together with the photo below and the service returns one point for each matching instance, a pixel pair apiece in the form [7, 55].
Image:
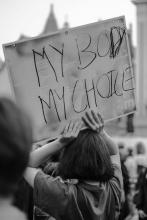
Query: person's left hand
[70, 132]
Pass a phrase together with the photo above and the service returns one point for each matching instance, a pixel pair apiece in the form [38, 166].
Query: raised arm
[69, 133]
[40, 155]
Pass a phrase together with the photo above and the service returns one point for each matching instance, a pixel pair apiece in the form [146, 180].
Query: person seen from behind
[88, 181]
[140, 157]
[125, 205]
[140, 197]
[131, 166]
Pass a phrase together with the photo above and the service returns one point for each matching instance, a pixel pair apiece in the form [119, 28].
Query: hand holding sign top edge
[93, 121]
[70, 132]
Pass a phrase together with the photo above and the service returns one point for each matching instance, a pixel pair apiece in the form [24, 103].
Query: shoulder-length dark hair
[87, 158]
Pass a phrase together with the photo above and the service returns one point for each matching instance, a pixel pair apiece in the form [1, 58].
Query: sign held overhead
[60, 76]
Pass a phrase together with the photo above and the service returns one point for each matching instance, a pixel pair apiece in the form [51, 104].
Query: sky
[29, 16]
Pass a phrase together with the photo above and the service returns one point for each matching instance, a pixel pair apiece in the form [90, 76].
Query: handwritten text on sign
[60, 76]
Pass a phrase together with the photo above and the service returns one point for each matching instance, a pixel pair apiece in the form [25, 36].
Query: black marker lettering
[101, 37]
[127, 80]
[77, 111]
[85, 51]
[48, 105]
[44, 56]
[60, 98]
[88, 90]
[102, 78]
[61, 53]
[115, 84]
[115, 45]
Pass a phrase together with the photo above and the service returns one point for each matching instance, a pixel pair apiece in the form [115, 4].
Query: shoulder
[50, 181]
[52, 187]
[45, 182]
[53, 194]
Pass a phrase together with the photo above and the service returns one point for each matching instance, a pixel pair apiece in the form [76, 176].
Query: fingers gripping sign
[67, 128]
[93, 121]
[71, 131]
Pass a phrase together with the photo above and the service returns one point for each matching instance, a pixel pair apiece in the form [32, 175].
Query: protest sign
[60, 76]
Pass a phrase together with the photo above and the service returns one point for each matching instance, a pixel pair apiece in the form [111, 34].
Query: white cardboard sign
[59, 76]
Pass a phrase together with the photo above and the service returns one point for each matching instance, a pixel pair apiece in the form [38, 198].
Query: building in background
[50, 26]
[141, 62]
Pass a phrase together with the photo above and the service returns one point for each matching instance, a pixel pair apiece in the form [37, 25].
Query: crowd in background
[134, 170]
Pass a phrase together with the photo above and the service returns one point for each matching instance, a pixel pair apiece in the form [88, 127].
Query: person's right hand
[93, 121]
[70, 132]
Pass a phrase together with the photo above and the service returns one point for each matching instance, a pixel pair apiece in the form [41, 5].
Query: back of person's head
[140, 148]
[15, 145]
[86, 158]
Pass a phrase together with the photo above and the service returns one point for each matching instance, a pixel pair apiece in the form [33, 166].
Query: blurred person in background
[140, 198]
[139, 193]
[123, 157]
[131, 165]
[15, 146]
[125, 206]
[140, 157]
[132, 172]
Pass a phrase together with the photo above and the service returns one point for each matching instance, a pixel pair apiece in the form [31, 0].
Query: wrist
[54, 146]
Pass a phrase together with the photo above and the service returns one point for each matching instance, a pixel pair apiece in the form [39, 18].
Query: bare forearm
[30, 174]
[40, 155]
